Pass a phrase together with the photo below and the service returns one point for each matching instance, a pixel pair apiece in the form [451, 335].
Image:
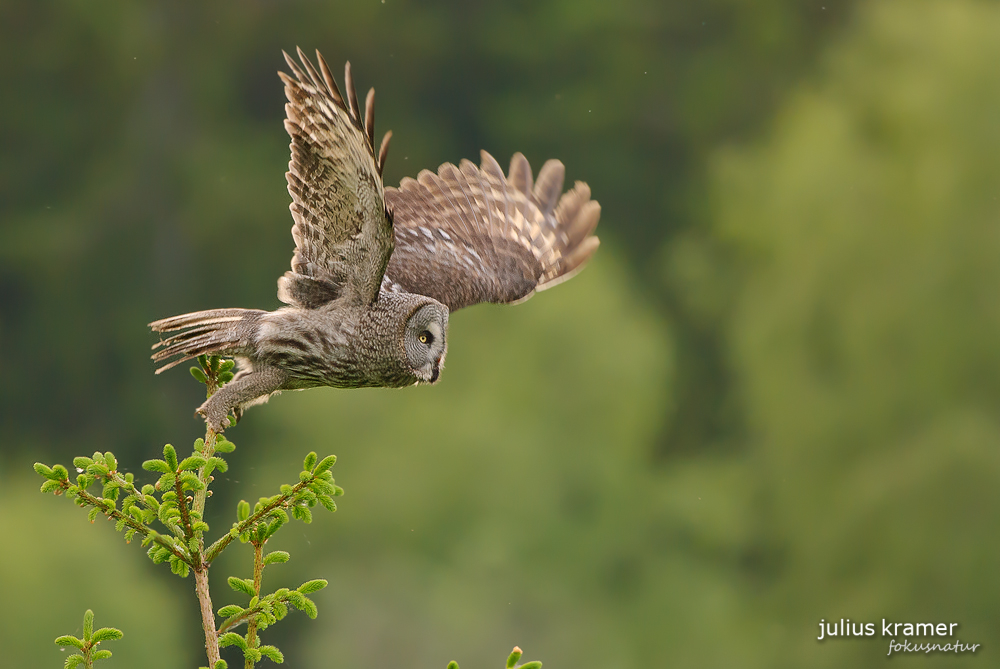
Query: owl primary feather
[376, 271]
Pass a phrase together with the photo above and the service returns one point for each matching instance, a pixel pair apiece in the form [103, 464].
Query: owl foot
[243, 391]
[216, 417]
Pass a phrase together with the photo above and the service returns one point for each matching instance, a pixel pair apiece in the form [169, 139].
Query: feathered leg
[239, 393]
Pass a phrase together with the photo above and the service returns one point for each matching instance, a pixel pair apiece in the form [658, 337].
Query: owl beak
[436, 371]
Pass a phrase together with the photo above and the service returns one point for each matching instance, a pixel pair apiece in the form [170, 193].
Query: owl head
[425, 341]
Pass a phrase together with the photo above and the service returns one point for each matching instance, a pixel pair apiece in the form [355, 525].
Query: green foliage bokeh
[62, 565]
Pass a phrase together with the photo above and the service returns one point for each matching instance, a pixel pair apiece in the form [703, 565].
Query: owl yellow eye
[425, 337]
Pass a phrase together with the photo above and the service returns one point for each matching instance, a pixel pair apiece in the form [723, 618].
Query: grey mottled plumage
[376, 270]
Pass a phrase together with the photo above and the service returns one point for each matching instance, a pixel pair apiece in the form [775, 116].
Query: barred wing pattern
[343, 234]
[467, 235]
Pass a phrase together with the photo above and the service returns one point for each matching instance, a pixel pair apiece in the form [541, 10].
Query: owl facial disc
[425, 341]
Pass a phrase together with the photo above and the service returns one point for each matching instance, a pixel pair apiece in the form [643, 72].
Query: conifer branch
[107, 507]
[284, 500]
[88, 644]
[183, 490]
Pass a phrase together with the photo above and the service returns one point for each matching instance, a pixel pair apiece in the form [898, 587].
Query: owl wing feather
[342, 231]
[467, 235]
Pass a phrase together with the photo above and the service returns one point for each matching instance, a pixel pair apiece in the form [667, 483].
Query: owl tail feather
[213, 332]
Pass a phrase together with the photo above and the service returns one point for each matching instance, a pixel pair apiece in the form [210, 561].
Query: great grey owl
[377, 270]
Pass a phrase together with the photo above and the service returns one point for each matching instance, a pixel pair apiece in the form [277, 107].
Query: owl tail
[214, 332]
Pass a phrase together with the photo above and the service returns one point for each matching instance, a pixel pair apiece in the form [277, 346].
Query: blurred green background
[771, 399]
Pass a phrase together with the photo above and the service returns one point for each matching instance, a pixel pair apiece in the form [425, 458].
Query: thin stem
[238, 620]
[211, 437]
[200, 495]
[201, 588]
[201, 571]
[258, 573]
[207, 614]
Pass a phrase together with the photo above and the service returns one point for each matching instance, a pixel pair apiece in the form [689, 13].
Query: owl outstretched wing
[343, 234]
[469, 234]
